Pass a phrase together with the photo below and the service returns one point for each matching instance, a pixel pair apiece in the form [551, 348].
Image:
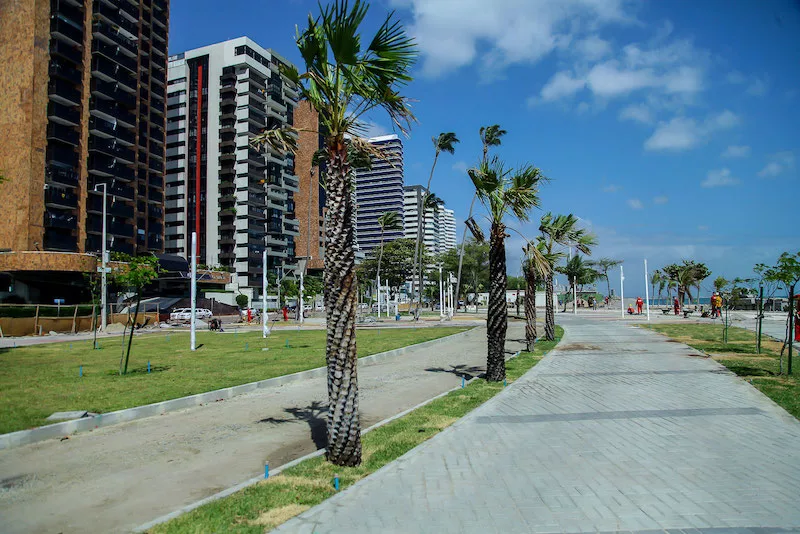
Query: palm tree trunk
[378, 275]
[341, 295]
[497, 320]
[608, 284]
[530, 309]
[549, 313]
[461, 259]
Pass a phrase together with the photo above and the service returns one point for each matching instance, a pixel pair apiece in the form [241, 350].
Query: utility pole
[622, 290]
[647, 289]
[103, 261]
[441, 294]
[264, 296]
[193, 337]
[760, 317]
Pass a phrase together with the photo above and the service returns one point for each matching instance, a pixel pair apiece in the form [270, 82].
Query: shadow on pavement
[313, 415]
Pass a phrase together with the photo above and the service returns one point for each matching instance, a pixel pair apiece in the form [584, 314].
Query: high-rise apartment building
[379, 190]
[439, 232]
[447, 230]
[310, 199]
[82, 105]
[238, 199]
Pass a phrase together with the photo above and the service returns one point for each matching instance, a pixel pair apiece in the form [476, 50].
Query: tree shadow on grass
[467, 372]
[751, 371]
[313, 415]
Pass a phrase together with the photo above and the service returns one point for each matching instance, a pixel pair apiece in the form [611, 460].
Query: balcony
[65, 71]
[114, 226]
[64, 134]
[115, 208]
[62, 29]
[156, 166]
[104, 31]
[274, 227]
[60, 198]
[155, 242]
[155, 228]
[104, 128]
[110, 111]
[64, 155]
[108, 166]
[60, 220]
[111, 72]
[54, 240]
[155, 180]
[114, 17]
[156, 196]
[114, 92]
[111, 148]
[65, 51]
[115, 54]
[128, 8]
[63, 92]
[62, 175]
[63, 114]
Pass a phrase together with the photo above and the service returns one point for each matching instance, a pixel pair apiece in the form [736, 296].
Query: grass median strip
[38, 380]
[739, 355]
[267, 504]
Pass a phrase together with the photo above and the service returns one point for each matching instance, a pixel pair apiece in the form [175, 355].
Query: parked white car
[185, 314]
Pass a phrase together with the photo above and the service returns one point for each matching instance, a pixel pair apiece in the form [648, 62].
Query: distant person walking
[639, 304]
[718, 304]
[285, 311]
[676, 306]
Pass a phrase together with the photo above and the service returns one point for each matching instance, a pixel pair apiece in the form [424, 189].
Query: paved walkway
[116, 478]
[619, 429]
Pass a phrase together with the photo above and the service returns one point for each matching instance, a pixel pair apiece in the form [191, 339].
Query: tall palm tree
[502, 192]
[389, 220]
[535, 266]
[560, 230]
[433, 203]
[579, 273]
[655, 280]
[445, 142]
[490, 136]
[345, 77]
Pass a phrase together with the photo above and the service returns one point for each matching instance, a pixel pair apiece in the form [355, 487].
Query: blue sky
[671, 128]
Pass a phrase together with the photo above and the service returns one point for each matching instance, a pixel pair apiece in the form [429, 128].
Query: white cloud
[561, 85]
[593, 48]
[682, 133]
[460, 166]
[757, 87]
[582, 108]
[455, 33]
[777, 164]
[719, 178]
[373, 129]
[661, 199]
[609, 79]
[611, 188]
[735, 151]
[635, 204]
[637, 112]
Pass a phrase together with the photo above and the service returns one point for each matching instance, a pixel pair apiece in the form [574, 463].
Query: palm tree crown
[490, 136]
[506, 192]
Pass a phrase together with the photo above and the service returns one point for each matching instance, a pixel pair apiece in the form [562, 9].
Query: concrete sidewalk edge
[58, 430]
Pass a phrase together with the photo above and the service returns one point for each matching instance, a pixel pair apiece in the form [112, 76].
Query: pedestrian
[249, 315]
[606, 302]
[714, 304]
[285, 311]
[639, 304]
[718, 303]
[630, 309]
[676, 306]
[797, 323]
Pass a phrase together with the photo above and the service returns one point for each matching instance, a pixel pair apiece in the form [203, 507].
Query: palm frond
[283, 139]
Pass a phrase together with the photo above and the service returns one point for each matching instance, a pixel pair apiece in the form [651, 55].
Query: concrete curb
[58, 430]
[233, 489]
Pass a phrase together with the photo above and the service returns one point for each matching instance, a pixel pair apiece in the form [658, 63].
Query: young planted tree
[490, 136]
[686, 276]
[786, 274]
[445, 142]
[389, 220]
[345, 77]
[396, 265]
[139, 272]
[502, 192]
[578, 272]
[560, 230]
[475, 267]
[536, 266]
[603, 265]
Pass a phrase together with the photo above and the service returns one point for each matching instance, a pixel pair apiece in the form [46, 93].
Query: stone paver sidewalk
[618, 429]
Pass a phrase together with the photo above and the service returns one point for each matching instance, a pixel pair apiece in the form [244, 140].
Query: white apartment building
[378, 190]
[439, 233]
[245, 201]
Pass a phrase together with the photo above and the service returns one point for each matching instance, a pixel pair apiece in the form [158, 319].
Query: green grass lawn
[265, 505]
[38, 380]
[739, 355]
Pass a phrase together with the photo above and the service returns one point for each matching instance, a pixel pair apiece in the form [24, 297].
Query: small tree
[93, 281]
[603, 265]
[242, 300]
[139, 272]
[786, 273]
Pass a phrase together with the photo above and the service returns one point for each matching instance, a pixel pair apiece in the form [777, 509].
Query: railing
[60, 27]
[112, 109]
[60, 154]
[113, 53]
[63, 71]
[104, 29]
[65, 113]
[110, 147]
[63, 176]
[60, 197]
[57, 241]
[62, 133]
[58, 220]
[65, 50]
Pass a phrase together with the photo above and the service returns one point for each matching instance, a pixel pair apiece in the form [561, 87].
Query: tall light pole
[264, 296]
[441, 296]
[622, 289]
[103, 260]
[646, 289]
[193, 337]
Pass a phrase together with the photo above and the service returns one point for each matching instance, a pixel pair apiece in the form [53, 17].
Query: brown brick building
[82, 106]
[310, 200]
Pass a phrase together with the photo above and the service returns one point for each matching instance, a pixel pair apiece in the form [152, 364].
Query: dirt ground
[116, 478]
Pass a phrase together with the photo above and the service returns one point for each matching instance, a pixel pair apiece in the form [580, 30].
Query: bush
[241, 300]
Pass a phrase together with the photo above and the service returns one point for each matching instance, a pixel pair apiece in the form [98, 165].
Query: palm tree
[389, 220]
[445, 142]
[560, 230]
[433, 203]
[578, 273]
[345, 78]
[603, 266]
[490, 136]
[535, 266]
[502, 192]
[655, 280]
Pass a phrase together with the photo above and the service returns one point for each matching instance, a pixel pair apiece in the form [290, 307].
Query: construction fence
[16, 320]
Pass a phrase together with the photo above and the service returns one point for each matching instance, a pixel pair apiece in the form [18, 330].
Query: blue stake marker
[336, 482]
[167, 337]
[246, 346]
[70, 346]
[462, 381]
[287, 343]
[266, 470]
[505, 383]
[148, 366]
[80, 371]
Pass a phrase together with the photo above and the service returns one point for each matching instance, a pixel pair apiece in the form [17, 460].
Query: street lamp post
[622, 290]
[264, 296]
[301, 263]
[103, 260]
[193, 334]
[441, 295]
